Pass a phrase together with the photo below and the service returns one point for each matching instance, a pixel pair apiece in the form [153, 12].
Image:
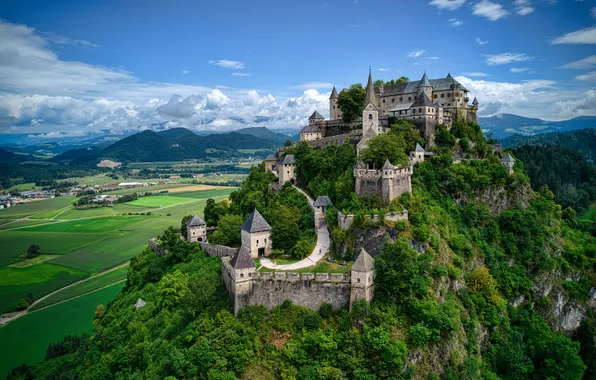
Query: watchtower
[508, 161]
[320, 206]
[256, 235]
[362, 277]
[287, 169]
[196, 229]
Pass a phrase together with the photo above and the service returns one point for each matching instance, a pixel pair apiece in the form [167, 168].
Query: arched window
[370, 116]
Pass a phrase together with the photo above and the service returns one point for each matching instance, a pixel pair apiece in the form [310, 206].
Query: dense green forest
[467, 288]
[564, 170]
[14, 174]
[583, 140]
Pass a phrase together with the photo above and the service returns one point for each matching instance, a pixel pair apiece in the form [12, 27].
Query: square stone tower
[320, 206]
[256, 235]
[196, 230]
[286, 169]
[269, 163]
[362, 277]
[508, 162]
[239, 277]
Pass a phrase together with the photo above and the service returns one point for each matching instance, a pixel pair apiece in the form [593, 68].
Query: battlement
[345, 221]
[155, 247]
[352, 136]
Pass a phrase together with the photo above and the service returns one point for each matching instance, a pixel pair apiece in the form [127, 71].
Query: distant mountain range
[504, 125]
[178, 144]
[6, 156]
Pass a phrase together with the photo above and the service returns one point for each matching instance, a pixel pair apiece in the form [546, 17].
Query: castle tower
[256, 235]
[425, 86]
[334, 113]
[417, 155]
[269, 163]
[387, 181]
[287, 169]
[320, 206]
[362, 277]
[243, 269]
[196, 230]
[370, 115]
[508, 161]
[315, 118]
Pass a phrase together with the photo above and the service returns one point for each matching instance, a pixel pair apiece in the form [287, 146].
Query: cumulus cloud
[184, 72]
[593, 12]
[519, 69]
[523, 7]
[449, 5]
[590, 77]
[586, 63]
[455, 22]
[227, 64]
[490, 10]
[382, 69]
[506, 58]
[584, 36]
[415, 53]
[476, 74]
[238, 74]
[479, 41]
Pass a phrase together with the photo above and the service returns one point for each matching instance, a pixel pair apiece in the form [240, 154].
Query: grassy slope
[30, 335]
[25, 209]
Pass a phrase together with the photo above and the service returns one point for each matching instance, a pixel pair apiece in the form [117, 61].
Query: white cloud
[383, 69]
[415, 53]
[523, 7]
[590, 77]
[593, 12]
[506, 58]
[490, 10]
[237, 74]
[184, 72]
[455, 22]
[532, 98]
[61, 40]
[227, 64]
[315, 85]
[583, 36]
[447, 4]
[480, 41]
[586, 63]
[476, 74]
[519, 69]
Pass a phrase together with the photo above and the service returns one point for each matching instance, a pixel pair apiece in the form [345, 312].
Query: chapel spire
[370, 91]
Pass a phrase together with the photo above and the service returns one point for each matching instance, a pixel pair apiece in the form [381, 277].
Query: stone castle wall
[345, 221]
[154, 245]
[218, 250]
[352, 137]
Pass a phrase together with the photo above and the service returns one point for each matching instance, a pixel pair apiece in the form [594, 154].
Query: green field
[159, 201]
[23, 223]
[88, 225]
[37, 280]
[84, 287]
[26, 339]
[591, 214]
[201, 194]
[35, 207]
[144, 189]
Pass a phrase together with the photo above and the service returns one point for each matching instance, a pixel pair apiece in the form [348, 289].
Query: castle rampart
[352, 137]
[345, 221]
[215, 250]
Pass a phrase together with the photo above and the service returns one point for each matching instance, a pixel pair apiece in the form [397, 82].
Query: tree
[32, 251]
[288, 142]
[183, 228]
[351, 102]
[403, 79]
[378, 83]
[228, 231]
[285, 230]
[384, 147]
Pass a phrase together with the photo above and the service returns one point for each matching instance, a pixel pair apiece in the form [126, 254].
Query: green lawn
[159, 201]
[89, 225]
[26, 339]
[591, 214]
[203, 193]
[23, 223]
[84, 287]
[25, 209]
[52, 213]
[3, 221]
[144, 189]
[37, 280]
[24, 187]
[16, 242]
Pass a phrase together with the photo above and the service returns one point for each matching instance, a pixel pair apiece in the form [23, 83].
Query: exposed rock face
[498, 198]
[569, 314]
[517, 301]
[592, 298]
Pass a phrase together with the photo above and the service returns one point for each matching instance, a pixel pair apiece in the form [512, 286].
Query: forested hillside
[583, 140]
[564, 170]
[486, 279]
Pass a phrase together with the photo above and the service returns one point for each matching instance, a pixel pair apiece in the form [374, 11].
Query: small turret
[362, 277]
[508, 161]
[417, 155]
[315, 117]
[370, 91]
[475, 102]
[256, 235]
[334, 111]
[334, 94]
[425, 87]
[196, 229]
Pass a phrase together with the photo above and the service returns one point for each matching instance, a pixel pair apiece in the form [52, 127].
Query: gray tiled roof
[271, 157]
[441, 84]
[508, 158]
[364, 262]
[322, 201]
[424, 81]
[422, 101]
[418, 148]
[242, 259]
[255, 223]
[334, 94]
[195, 221]
[387, 166]
[475, 101]
[311, 129]
[316, 115]
[289, 160]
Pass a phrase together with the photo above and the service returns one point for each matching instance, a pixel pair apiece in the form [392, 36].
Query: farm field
[84, 287]
[35, 207]
[30, 335]
[88, 225]
[160, 201]
[22, 223]
[591, 214]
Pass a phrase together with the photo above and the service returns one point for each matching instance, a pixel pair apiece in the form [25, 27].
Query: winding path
[318, 252]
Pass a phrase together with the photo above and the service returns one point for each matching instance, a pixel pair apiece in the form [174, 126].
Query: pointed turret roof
[449, 75]
[508, 158]
[195, 221]
[316, 115]
[334, 94]
[322, 201]
[270, 157]
[140, 303]
[422, 101]
[370, 91]
[475, 101]
[255, 223]
[418, 148]
[364, 262]
[387, 166]
[242, 259]
[289, 160]
[424, 81]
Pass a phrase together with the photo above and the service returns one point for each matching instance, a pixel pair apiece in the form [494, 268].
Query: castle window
[435, 96]
[449, 95]
[442, 95]
[257, 242]
[409, 98]
[370, 116]
[333, 107]
[401, 98]
[358, 280]
[241, 275]
[413, 110]
[393, 100]
[383, 100]
[420, 110]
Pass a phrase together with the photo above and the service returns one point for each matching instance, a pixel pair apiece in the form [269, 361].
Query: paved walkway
[317, 254]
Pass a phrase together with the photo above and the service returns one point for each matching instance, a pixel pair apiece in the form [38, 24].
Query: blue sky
[78, 67]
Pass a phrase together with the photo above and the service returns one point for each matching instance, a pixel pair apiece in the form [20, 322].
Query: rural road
[318, 252]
